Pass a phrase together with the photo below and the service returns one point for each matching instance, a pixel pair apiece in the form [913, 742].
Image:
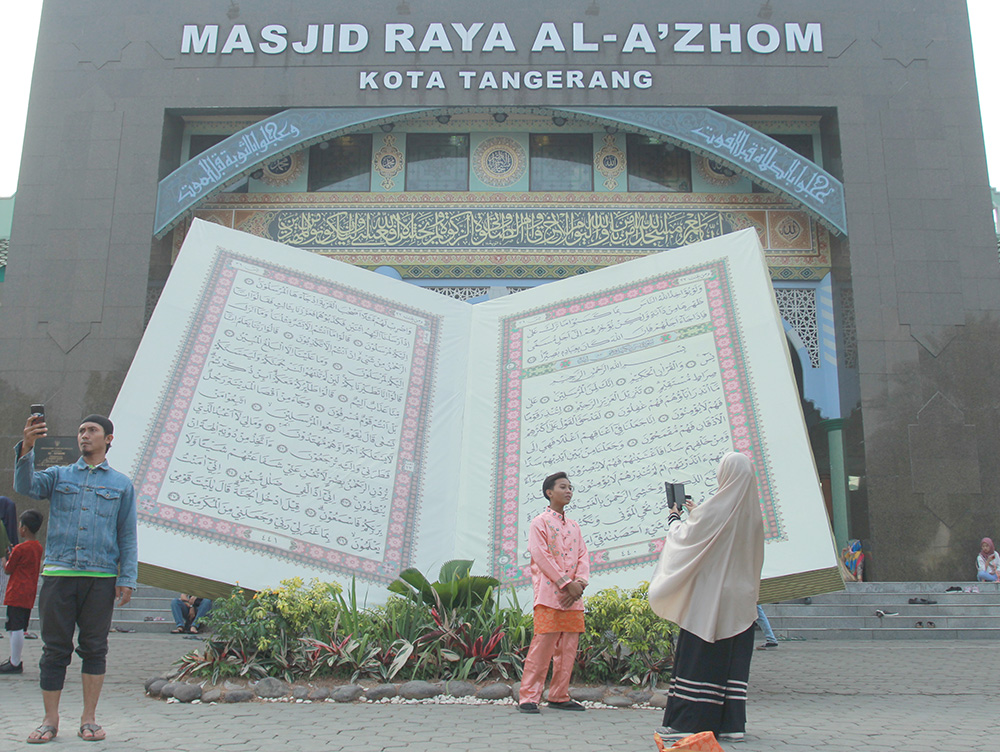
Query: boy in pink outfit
[560, 567]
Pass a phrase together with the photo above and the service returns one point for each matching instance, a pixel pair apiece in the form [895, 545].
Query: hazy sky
[19, 29]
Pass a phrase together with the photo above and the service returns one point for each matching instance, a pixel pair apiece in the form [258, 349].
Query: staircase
[851, 614]
[847, 615]
[139, 615]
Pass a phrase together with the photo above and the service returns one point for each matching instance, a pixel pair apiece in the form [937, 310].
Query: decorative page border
[176, 398]
[744, 421]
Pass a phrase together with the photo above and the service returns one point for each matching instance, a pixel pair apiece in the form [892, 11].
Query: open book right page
[625, 378]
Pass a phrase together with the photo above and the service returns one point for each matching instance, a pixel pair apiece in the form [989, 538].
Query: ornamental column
[838, 478]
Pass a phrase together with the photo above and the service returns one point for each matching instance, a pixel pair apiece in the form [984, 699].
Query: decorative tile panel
[798, 307]
[388, 163]
[499, 162]
[610, 163]
[476, 235]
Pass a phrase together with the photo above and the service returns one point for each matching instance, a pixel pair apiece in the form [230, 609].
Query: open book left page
[289, 415]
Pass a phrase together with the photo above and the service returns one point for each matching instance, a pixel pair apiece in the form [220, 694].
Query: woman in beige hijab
[707, 582]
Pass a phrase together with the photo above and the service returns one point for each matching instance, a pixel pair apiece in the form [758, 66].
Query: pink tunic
[558, 556]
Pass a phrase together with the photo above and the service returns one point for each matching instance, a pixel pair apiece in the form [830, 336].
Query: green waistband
[53, 572]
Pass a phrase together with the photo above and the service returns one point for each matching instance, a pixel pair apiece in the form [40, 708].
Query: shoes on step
[9, 668]
[528, 707]
[566, 705]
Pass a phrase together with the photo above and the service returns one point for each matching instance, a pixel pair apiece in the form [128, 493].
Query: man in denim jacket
[91, 558]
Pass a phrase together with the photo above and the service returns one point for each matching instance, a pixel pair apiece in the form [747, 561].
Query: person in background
[188, 611]
[852, 560]
[23, 566]
[770, 641]
[8, 535]
[707, 582]
[987, 562]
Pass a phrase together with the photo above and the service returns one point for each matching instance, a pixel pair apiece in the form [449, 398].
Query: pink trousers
[560, 649]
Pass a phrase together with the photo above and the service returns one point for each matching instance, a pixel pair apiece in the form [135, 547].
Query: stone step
[918, 588]
[874, 598]
[888, 622]
[887, 634]
[147, 612]
[135, 625]
[850, 614]
[784, 611]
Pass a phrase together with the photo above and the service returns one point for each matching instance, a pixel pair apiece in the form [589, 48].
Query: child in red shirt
[23, 566]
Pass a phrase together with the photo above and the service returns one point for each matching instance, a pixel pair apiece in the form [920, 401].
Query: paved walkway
[918, 696]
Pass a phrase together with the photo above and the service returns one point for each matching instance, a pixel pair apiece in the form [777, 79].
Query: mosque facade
[479, 151]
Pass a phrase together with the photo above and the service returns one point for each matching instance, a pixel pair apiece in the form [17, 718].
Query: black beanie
[107, 425]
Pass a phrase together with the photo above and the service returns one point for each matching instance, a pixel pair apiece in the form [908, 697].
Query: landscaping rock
[587, 694]
[318, 694]
[300, 693]
[419, 690]
[381, 691]
[347, 693]
[495, 691]
[156, 687]
[658, 700]
[239, 695]
[187, 692]
[641, 695]
[618, 701]
[149, 682]
[459, 688]
[515, 691]
[212, 695]
[271, 687]
[168, 690]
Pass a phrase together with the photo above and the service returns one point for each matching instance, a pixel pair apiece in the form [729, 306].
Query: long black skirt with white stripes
[708, 691]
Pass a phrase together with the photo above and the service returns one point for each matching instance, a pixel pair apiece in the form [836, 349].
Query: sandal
[42, 730]
[178, 630]
[193, 630]
[96, 732]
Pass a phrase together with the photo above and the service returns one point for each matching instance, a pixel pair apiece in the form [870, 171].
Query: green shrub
[317, 630]
[456, 587]
[624, 640]
[258, 635]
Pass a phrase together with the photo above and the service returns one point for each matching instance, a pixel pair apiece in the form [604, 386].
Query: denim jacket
[92, 516]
